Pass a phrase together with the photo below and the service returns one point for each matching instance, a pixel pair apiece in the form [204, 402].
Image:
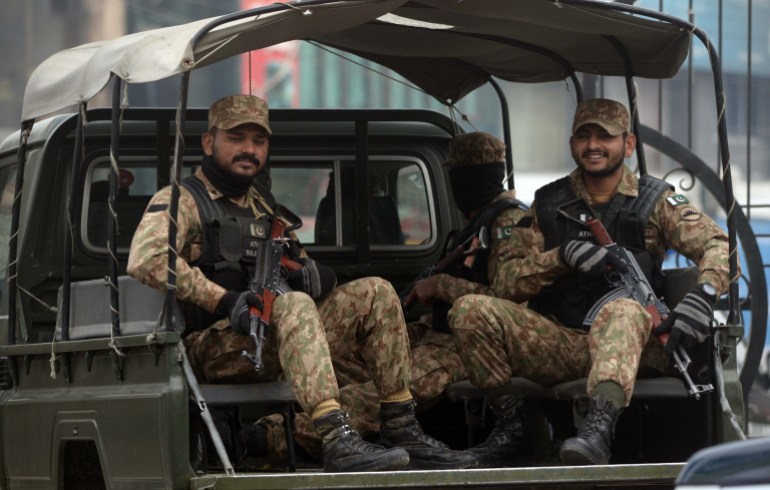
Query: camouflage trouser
[435, 364]
[361, 318]
[501, 339]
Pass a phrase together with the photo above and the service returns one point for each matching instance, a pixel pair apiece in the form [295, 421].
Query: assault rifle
[463, 250]
[267, 278]
[634, 284]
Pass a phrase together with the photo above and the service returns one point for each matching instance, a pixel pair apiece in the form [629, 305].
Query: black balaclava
[475, 186]
[228, 183]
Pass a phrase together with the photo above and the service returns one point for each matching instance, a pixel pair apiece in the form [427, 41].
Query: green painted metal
[551, 477]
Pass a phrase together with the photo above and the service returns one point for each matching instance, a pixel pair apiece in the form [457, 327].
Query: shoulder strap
[650, 190]
[485, 218]
[208, 209]
[548, 199]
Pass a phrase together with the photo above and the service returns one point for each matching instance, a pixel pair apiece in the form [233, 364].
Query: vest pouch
[630, 231]
[567, 301]
[230, 240]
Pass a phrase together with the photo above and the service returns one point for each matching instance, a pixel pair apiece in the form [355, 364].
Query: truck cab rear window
[322, 192]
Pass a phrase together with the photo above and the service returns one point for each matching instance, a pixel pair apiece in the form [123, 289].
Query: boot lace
[352, 440]
[597, 420]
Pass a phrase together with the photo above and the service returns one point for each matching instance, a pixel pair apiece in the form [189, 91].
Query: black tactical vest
[231, 235]
[478, 271]
[625, 218]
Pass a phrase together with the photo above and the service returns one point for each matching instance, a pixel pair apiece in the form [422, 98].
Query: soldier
[567, 277]
[477, 173]
[312, 323]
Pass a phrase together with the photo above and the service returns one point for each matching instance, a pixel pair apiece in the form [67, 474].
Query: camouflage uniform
[507, 339]
[435, 361]
[362, 317]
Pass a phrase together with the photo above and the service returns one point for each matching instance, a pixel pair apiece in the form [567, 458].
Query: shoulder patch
[157, 207]
[504, 232]
[689, 213]
[677, 200]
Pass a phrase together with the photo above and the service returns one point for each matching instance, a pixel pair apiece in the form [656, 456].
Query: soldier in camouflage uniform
[221, 224]
[615, 343]
[477, 172]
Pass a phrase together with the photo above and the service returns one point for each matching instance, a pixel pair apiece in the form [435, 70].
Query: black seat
[384, 221]
[129, 210]
[650, 390]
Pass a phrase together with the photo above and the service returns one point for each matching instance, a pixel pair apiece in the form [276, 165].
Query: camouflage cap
[609, 114]
[474, 149]
[234, 110]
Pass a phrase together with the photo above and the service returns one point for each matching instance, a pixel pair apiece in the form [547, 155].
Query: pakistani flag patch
[677, 200]
[504, 232]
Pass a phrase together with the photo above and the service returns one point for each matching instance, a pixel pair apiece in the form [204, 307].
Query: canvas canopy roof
[446, 47]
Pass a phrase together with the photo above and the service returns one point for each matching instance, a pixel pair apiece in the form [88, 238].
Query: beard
[229, 183]
[610, 169]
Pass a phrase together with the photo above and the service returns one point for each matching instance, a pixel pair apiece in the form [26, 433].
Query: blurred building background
[300, 74]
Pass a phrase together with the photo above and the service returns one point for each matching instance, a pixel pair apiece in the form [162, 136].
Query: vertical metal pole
[77, 160]
[176, 170]
[632, 102]
[362, 190]
[748, 108]
[117, 85]
[506, 131]
[13, 244]
[660, 88]
[691, 82]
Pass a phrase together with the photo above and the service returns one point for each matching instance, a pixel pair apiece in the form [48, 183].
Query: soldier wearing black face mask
[477, 174]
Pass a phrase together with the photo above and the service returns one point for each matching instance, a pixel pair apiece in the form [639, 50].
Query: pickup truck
[95, 390]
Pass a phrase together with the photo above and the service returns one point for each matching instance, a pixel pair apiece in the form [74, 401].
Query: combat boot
[594, 436]
[510, 442]
[344, 450]
[399, 428]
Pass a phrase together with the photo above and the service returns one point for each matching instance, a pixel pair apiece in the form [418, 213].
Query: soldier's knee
[633, 315]
[377, 289]
[466, 310]
[381, 287]
[292, 301]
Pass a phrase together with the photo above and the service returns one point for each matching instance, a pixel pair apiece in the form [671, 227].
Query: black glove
[589, 259]
[235, 306]
[689, 322]
[313, 278]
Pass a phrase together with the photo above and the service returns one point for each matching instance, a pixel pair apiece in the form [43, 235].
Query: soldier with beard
[313, 321]
[567, 277]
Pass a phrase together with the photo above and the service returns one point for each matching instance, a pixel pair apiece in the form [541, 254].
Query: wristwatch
[709, 290]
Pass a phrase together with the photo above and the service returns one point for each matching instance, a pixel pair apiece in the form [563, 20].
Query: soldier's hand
[423, 291]
[235, 306]
[689, 322]
[313, 278]
[589, 259]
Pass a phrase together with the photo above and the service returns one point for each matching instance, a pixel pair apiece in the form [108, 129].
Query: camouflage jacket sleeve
[449, 288]
[677, 224]
[526, 268]
[148, 257]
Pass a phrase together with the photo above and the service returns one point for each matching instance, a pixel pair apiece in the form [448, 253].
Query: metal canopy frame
[217, 27]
